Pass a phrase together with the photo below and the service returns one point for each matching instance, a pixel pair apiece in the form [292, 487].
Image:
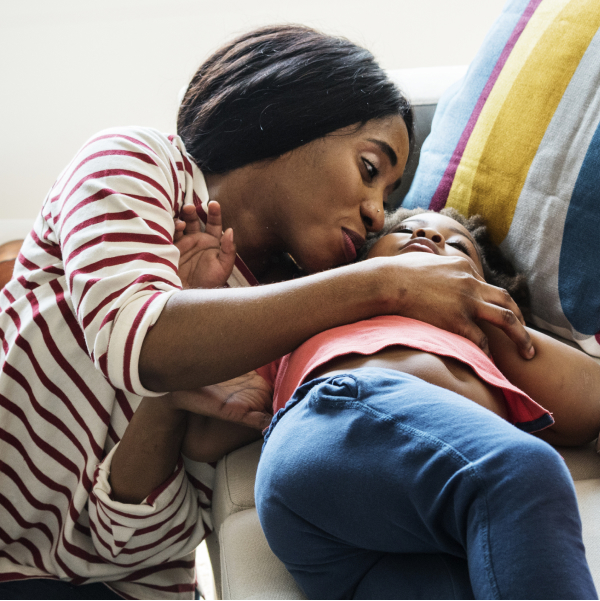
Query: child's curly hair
[497, 269]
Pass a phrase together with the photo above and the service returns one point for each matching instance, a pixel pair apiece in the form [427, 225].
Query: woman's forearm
[209, 439]
[204, 425]
[149, 450]
[207, 336]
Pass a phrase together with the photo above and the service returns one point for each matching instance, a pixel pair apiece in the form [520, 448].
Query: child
[393, 472]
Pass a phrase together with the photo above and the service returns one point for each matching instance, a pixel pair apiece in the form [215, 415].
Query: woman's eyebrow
[387, 149]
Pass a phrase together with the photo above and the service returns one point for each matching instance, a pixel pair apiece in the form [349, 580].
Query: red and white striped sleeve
[113, 217]
[167, 525]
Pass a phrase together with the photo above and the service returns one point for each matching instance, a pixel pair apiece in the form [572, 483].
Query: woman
[300, 137]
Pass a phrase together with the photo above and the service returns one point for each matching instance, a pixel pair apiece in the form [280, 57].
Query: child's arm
[562, 379]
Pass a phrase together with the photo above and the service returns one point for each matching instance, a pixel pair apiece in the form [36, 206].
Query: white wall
[69, 68]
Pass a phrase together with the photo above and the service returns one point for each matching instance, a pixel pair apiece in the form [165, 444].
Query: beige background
[69, 68]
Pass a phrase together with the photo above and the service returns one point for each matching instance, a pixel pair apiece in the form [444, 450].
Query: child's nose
[432, 234]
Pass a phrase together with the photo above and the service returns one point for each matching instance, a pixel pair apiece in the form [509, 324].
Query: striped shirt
[92, 278]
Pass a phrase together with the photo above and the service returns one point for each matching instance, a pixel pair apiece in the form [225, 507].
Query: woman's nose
[432, 234]
[373, 215]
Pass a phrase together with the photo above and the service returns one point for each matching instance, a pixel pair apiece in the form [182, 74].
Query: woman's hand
[206, 258]
[447, 292]
[245, 400]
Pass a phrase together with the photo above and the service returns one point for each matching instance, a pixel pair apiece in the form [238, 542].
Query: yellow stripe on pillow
[505, 140]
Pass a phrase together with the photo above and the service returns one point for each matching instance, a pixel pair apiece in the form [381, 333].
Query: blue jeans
[377, 485]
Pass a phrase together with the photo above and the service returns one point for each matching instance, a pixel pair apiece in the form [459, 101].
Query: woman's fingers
[496, 306]
[469, 330]
[448, 292]
[499, 308]
[508, 321]
[504, 299]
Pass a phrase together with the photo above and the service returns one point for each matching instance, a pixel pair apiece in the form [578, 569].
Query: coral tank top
[372, 335]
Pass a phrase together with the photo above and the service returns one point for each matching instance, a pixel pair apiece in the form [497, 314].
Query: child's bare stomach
[442, 371]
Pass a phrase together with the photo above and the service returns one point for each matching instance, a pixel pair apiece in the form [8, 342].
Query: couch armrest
[249, 570]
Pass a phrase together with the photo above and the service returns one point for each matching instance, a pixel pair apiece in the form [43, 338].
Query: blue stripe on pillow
[580, 250]
[455, 109]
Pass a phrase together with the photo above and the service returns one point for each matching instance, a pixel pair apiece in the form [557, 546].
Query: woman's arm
[149, 450]
[204, 425]
[155, 438]
[228, 332]
[561, 378]
[124, 285]
[209, 439]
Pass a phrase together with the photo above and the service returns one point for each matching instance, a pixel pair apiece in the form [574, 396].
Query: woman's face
[328, 194]
[431, 233]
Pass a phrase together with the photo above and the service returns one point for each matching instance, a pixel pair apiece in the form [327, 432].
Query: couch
[243, 565]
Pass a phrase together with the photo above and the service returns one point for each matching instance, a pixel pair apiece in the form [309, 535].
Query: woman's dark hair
[497, 269]
[277, 88]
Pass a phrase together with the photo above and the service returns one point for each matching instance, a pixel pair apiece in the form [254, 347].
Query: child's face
[430, 233]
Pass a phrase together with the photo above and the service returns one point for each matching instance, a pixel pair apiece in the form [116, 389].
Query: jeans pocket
[342, 387]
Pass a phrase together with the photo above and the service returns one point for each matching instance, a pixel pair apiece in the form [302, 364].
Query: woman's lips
[353, 242]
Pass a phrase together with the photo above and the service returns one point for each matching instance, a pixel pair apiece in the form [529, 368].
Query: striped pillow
[518, 141]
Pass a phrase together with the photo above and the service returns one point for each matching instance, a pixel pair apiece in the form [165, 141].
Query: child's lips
[353, 242]
[421, 245]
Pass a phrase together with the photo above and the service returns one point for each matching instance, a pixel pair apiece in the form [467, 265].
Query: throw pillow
[518, 141]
